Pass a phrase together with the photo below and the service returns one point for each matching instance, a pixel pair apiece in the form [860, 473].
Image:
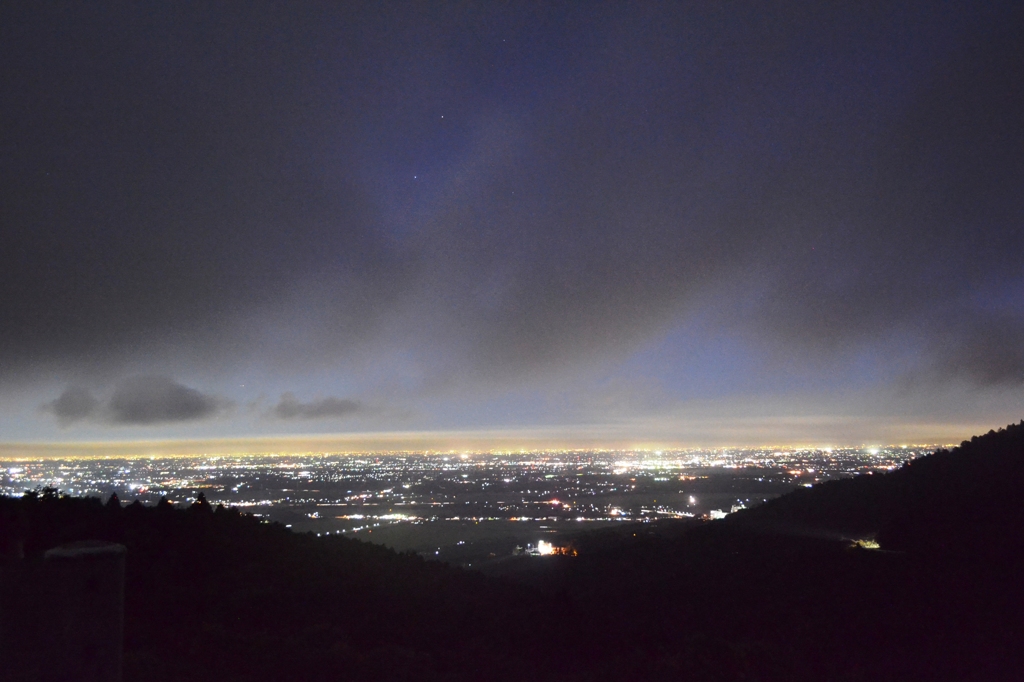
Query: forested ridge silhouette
[963, 500]
[779, 592]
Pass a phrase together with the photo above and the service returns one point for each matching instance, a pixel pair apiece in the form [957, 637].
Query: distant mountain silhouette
[774, 593]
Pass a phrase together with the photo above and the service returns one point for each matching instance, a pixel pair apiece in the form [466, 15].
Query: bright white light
[544, 548]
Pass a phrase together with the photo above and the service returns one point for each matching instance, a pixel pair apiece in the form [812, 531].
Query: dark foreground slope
[965, 501]
[212, 594]
[775, 593]
[782, 592]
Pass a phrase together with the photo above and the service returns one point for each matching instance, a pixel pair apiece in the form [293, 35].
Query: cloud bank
[289, 407]
[137, 401]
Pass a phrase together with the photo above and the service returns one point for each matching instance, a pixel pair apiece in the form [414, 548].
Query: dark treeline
[964, 501]
[774, 593]
[214, 594]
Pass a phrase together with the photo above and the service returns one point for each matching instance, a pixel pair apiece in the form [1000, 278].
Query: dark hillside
[218, 595]
[964, 500]
[781, 592]
[774, 593]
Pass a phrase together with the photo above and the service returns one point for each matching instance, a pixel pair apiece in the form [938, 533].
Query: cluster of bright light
[527, 486]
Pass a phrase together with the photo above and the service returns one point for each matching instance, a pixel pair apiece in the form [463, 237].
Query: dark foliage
[964, 501]
[222, 595]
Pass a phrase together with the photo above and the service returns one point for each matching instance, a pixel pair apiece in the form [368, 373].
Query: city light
[372, 496]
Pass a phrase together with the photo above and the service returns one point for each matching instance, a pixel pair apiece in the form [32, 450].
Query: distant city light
[373, 496]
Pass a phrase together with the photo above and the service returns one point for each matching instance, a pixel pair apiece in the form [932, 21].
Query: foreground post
[87, 582]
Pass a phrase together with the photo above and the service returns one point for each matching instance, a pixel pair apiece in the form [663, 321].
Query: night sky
[543, 224]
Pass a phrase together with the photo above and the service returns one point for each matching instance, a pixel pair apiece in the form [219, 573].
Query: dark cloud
[499, 192]
[989, 352]
[157, 400]
[74, 404]
[156, 194]
[289, 407]
[137, 401]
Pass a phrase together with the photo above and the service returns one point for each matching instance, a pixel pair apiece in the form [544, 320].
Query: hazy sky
[706, 223]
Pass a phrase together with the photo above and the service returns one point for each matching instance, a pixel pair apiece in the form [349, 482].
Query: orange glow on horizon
[424, 442]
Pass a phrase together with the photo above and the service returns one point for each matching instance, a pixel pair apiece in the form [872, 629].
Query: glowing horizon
[440, 443]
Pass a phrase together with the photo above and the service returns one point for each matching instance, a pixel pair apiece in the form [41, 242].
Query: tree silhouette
[201, 505]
